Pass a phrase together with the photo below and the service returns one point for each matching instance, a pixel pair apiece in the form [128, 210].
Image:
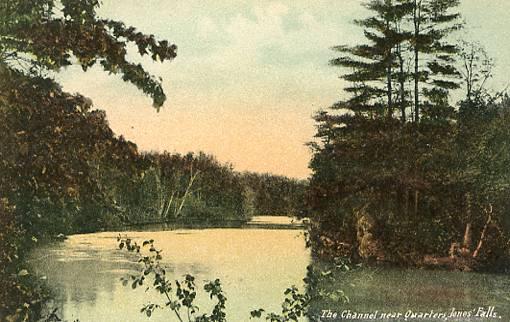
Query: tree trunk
[401, 80]
[389, 80]
[390, 89]
[416, 200]
[466, 244]
[169, 203]
[484, 231]
[188, 189]
[416, 20]
[468, 233]
[407, 203]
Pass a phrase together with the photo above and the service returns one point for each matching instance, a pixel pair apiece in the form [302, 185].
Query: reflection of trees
[398, 290]
[80, 279]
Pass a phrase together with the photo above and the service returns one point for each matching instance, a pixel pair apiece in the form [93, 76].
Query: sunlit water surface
[255, 267]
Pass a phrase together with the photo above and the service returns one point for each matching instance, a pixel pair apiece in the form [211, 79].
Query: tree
[434, 70]
[476, 67]
[384, 189]
[37, 36]
[373, 64]
[399, 31]
[60, 159]
[61, 164]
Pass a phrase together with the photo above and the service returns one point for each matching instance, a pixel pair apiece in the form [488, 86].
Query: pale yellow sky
[249, 75]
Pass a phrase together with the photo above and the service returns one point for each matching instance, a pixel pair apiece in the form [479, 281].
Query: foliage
[419, 186]
[46, 35]
[22, 296]
[59, 158]
[276, 195]
[407, 41]
[294, 307]
[411, 192]
[61, 165]
[434, 55]
[373, 65]
[197, 188]
[179, 296]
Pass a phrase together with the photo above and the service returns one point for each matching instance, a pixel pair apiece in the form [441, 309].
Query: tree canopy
[37, 36]
[407, 42]
[421, 188]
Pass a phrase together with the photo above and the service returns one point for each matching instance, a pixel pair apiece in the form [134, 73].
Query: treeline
[400, 174]
[62, 169]
[196, 187]
[275, 195]
[65, 171]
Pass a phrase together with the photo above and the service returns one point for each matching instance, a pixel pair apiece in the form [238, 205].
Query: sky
[249, 74]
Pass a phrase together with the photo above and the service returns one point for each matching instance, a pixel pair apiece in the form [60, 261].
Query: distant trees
[180, 188]
[276, 195]
[196, 187]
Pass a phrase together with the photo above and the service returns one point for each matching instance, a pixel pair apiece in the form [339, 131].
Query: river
[255, 264]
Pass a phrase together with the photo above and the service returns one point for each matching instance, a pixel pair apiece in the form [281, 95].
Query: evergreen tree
[434, 56]
[377, 181]
[374, 64]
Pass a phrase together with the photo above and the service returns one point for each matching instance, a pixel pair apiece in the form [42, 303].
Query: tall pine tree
[375, 66]
[434, 56]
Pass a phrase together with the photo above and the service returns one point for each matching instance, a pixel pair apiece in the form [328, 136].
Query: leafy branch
[179, 296]
[294, 306]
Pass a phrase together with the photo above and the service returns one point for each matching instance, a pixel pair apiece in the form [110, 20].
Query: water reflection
[255, 266]
[404, 290]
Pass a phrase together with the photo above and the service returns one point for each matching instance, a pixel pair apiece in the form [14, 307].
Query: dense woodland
[401, 174]
[64, 171]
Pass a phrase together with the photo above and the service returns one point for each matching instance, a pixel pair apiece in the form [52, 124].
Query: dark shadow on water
[401, 290]
[200, 224]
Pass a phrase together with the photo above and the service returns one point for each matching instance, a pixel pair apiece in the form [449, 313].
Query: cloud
[248, 76]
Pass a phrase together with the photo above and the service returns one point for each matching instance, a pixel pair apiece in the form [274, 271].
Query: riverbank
[260, 222]
[373, 243]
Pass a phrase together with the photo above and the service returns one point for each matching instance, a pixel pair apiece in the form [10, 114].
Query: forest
[402, 173]
[63, 169]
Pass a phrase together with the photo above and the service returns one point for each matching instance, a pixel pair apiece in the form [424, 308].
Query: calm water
[255, 265]
[388, 290]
